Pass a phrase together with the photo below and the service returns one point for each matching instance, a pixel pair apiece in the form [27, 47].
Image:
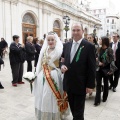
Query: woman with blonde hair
[41, 42]
[30, 52]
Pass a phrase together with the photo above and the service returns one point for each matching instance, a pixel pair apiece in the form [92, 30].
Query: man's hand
[22, 45]
[64, 68]
[89, 90]
[62, 60]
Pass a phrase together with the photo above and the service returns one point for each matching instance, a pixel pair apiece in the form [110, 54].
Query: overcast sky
[105, 3]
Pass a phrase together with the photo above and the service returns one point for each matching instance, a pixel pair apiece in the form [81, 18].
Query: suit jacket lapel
[118, 45]
[69, 51]
[81, 44]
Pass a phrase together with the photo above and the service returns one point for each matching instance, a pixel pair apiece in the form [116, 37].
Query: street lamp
[66, 21]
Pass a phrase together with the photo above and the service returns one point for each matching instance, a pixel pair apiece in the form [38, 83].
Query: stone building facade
[37, 17]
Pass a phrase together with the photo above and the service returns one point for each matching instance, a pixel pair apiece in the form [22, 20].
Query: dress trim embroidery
[62, 100]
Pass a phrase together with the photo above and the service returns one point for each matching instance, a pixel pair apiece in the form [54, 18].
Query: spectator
[30, 52]
[44, 36]
[38, 48]
[41, 42]
[16, 62]
[105, 59]
[66, 40]
[3, 46]
[1, 62]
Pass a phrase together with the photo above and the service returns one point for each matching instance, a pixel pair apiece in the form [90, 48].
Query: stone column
[45, 22]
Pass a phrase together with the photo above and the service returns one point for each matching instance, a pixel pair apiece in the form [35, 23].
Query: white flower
[29, 75]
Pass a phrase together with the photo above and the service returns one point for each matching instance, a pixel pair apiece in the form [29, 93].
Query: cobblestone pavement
[17, 103]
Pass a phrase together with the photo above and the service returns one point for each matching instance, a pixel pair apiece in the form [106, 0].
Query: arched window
[56, 24]
[56, 27]
[28, 26]
[28, 18]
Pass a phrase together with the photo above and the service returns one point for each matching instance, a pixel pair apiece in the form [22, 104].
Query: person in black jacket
[79, 68]
[38, 48]
[15, 61]
[105, 60]
[3, 46]
[91, 38]
[115, 45]
[30, 53]
[1, 62]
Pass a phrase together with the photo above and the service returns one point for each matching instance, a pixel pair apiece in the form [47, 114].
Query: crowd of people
[18, 54]
[107, 65]
[66, 72]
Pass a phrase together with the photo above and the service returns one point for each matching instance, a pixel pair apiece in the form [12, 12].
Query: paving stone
[18, 103]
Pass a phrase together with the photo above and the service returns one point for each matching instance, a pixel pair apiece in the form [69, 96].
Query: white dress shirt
[114, 51]
[113, 45]
[72, 54]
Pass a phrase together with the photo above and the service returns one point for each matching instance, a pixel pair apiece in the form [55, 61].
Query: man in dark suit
[16, 61]
[38, 48]
[115, 45]
[79, 68]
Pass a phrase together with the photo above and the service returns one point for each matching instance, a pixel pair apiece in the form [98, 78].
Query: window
[112, 21]
[105, 10]
[107, 20]
[56, 24]
[100, 11]
[113, 26]
[97, 11]
[28, 18]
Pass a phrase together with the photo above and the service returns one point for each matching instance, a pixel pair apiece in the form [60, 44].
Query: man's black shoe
[110, 87]
[1, 87]
[114, 89]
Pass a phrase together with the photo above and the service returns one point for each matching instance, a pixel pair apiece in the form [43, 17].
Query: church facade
[38, 17]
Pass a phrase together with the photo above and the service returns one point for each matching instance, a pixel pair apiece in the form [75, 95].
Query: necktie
[73, 50]
[114, 51]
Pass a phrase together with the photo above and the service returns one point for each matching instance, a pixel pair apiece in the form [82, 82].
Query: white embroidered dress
[46, 107]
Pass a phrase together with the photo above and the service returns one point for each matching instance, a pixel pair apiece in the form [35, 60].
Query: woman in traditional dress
[50, 100]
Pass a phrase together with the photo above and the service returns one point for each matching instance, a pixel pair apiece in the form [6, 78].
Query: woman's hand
[101, 64]
[110, 73]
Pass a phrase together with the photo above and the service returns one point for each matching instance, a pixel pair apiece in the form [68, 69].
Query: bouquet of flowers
[30, 77]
